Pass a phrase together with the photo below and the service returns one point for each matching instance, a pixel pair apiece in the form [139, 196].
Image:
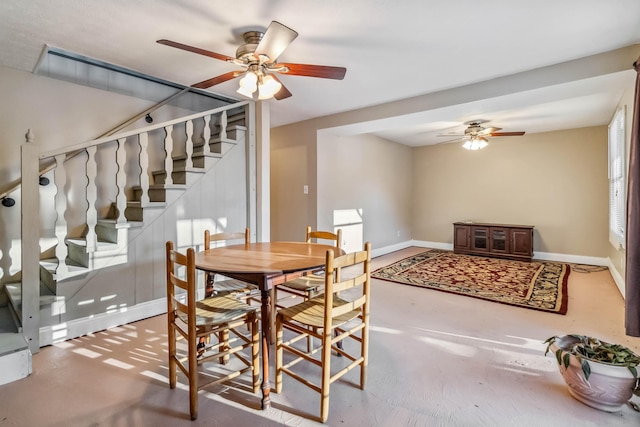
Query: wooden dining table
[264, 265]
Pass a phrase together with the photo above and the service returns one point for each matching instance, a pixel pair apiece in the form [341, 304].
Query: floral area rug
[538, 285]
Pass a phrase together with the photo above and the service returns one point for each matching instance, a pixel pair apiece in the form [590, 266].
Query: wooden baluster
[92, 197]
[143, 139]
[189, 144]
[60, 203]
[121, 180]
[168, 160]
[206, 135]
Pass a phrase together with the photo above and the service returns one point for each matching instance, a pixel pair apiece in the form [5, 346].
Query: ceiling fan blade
[506, 134]
[217, 80]
[322, 71]
[275, 40]
[487, 131]
[283, 93]
[196, 50]
[450, 135]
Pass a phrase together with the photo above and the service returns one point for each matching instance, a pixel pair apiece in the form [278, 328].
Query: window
[617, 200]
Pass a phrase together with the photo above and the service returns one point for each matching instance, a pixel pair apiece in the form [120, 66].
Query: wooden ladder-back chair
[191, 320]
[341, 313]
[235, 287]
[310, 285]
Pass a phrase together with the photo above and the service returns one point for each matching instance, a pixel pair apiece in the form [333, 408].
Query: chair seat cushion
[218, 310]
[311, 312]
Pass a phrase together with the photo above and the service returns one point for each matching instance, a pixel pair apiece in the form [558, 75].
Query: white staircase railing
[195, 143]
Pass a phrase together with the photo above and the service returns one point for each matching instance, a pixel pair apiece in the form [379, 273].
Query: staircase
[113, 272]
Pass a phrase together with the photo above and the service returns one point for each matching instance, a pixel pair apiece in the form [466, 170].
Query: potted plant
[599, 374]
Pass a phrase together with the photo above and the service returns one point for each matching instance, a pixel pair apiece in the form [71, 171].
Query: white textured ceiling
[391, 49]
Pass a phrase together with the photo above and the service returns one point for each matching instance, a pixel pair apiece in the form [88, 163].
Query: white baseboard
[432, 245]
[544, 256]
[571, 259]
[617, 277]
[99, 322]
[375, 252]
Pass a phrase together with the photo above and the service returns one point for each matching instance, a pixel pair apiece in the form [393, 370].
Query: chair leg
[172, 356]
[255, 352]
[365, 354]
[193, 380]
[278, 354]
[209, 288]
[307, 297]
[326, 375]
[339, 343]
[223, 339]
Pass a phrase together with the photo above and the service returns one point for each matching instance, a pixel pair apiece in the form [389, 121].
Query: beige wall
[364, 188]
[293, 165]
[556, 181]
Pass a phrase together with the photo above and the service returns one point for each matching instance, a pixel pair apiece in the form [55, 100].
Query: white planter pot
[609, 387]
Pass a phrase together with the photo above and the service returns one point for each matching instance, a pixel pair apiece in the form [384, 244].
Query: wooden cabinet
[497, 240]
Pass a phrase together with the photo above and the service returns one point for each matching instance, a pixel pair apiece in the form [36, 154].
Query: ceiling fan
[475, 135]
[258, 56]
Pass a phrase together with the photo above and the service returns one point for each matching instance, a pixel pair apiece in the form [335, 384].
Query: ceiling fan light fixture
[248, 84]
[245, 92]
[268, 87]
[475, 143]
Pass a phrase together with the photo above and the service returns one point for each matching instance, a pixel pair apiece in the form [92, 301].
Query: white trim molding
[617, 277]
[543, 256]
[78, 327]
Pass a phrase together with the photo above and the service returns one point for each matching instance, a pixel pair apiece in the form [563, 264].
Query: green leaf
[586, 369]
[567, 360]
[559, 356]
[634, 371]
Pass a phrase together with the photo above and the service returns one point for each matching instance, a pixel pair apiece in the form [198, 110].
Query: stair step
[134, 212]
[8, 323]
[15, 357]
[10, 342]
[157, 192]
[199, 159]
[112, 223]
[139, 205]
[179, 175]
[15, 294]
[51, 306]
[48, 274]
[100, 246]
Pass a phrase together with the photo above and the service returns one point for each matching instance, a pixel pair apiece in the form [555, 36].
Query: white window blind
[617, 199]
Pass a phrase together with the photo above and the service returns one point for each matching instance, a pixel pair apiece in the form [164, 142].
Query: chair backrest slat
[226, 236]
[324, 235]
[186, 262]
[334, 285]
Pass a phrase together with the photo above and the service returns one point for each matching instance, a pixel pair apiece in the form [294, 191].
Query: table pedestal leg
[266, 334]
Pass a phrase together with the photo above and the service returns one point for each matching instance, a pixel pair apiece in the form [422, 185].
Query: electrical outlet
[305, 189]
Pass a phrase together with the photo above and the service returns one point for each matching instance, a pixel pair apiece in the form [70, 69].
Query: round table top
[268, 257]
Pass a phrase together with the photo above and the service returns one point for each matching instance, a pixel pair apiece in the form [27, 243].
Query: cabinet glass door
[480, 238]
[499, 240]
